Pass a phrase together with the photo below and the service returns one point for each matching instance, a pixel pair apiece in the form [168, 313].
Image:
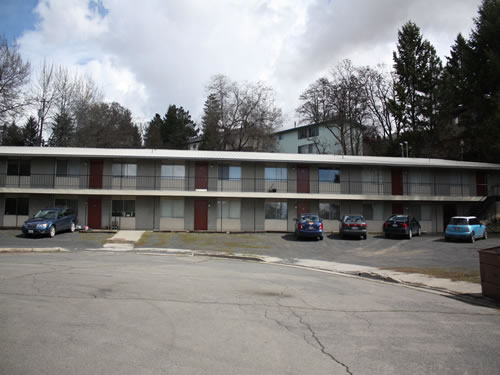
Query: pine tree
[30, 132]
[12, 135]
[152, 137]
[177, 128]
[417, 70]
[210, 125]
[63, 131]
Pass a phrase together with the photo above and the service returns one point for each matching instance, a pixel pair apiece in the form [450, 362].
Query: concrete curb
[32, 249]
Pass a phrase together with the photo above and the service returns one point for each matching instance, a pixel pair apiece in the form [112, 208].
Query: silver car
[354, 226]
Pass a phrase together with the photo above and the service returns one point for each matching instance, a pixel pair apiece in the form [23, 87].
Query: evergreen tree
[482, 133]
[152, 137]
[417, 75]
[210, 124]
[63, 131]
[12, 135]
[30, 132]
[177, 128]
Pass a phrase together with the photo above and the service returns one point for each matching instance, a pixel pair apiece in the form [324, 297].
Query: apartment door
[96, 168]
[303, 207]
[481, 186]
[201, 176]
[94, 213]
[397, 181]
[200, 214]
[302, 179]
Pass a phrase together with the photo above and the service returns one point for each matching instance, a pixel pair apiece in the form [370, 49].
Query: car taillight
[321, 226]
[405, 225]
[300, 226]
[386, 225]
[363, 225]
[346, 225]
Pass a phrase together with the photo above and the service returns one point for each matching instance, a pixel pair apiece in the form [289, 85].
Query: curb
[32, 249]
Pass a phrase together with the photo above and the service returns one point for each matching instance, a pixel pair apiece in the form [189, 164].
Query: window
[67, 168]
[307, 132]
[175, 171]
[18, 168]
[229, 172]
[306, 149]
[70, 203]
[276, 210]
[368, 211]
[173, 208]
[17, 206]
[228, 209]
[275, 174]
[124, 170]
[123, 208]
[329, 211]
[329, 175]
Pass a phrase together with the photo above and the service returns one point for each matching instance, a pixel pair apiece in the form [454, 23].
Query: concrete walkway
[123, 240]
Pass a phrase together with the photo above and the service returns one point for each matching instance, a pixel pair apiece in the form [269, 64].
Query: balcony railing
[50, 181]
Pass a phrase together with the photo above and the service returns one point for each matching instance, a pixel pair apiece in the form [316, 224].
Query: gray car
[354, 226]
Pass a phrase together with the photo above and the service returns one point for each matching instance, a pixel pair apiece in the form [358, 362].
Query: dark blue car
[309, 225]
[49, 221]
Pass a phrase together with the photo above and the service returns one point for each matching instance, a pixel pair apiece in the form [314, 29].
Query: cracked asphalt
[125, 313]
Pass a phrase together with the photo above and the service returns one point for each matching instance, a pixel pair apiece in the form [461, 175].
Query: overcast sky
[148, 54]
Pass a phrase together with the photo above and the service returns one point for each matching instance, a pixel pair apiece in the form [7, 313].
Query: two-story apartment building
[322, 138]
[235, 191]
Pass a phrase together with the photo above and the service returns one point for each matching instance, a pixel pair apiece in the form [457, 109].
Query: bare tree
[247, 115]
[379, 90]
[340, 105]
[14, 74]
[59, 92]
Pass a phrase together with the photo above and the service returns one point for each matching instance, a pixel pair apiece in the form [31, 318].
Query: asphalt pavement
[125, 313]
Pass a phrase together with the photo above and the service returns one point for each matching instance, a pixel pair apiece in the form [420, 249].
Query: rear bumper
[458, 235]
[354, 232]
[310, 233]
[396, 231]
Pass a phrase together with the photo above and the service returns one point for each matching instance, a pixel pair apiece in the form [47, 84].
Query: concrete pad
[131, 236]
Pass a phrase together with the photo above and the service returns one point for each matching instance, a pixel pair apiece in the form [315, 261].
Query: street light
[406, 146]
[402, 150]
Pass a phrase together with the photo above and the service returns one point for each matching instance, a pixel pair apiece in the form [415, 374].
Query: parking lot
[427, 251]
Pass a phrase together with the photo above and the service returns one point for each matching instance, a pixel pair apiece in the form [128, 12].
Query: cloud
[161, 52]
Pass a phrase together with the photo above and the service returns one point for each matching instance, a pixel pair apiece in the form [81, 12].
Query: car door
[476, 227]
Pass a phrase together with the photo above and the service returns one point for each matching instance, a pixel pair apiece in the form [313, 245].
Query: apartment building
[177, 190]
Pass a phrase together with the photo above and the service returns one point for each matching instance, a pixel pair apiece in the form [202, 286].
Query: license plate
[394, 225]
[355, 228]
[311, 227]
[30, 231]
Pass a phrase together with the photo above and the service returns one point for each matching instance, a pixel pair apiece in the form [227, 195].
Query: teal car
[465, 228]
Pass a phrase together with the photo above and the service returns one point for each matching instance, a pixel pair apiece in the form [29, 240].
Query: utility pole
[41, 116]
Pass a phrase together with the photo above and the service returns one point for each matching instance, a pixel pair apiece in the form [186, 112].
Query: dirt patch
[456, 274]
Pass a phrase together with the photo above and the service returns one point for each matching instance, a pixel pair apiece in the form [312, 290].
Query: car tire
[365, 237]
[410, 234]
[72, 227]
[447, 239]
[52, 231]
[386, 235]
[419, 232]
[321, 238]
[472, 238]
[485, 235]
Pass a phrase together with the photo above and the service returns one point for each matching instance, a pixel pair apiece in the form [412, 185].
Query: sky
[149, 54]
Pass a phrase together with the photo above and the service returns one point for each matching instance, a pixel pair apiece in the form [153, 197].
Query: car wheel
[410, 234]
[365, 236]
[472, 238]
[485, 235]
[72, 227]
[419, 233]
[321, 238]
[52, 231]
[446, 238]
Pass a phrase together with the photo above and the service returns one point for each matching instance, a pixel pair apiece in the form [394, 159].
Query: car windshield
[354, 219]
[399, 219]
[458, 221]
[46, 214]
[309, 218]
